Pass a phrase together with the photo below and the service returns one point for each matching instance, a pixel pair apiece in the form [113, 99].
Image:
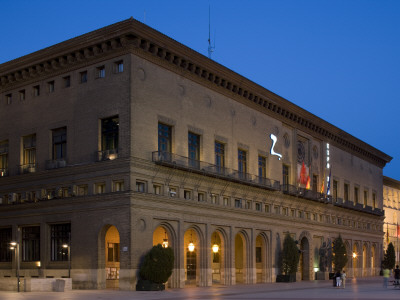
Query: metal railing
[27, 168]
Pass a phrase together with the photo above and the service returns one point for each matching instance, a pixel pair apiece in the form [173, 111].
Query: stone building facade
[123, 138]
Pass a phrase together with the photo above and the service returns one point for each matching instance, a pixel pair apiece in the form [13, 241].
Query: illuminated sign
[274, 139]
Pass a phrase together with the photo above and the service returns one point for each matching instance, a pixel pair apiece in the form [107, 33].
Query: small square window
[22, 95]
[100, 188]
[119, 66]
[285, 211]
[277, 210]
[238, 203]
[267, 208]
[292, 213]
[67, 81]
[101, 72]
[214, 199]
[258, 206]
[8, 99]
[118, 186]
[84, 76]
[172, 192]
[201, 197]
[140, 186]
[51, 86]
[157, 189]
[226, 201]
[36, 90]
[82, 190]
[187, 194]
[248, 204]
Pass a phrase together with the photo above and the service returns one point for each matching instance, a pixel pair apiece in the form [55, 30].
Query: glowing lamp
[215, 248]
[354, 255]
[165, 243]
[191, 247]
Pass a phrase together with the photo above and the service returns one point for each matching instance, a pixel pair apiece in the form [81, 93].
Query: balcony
[27, 168]
[55, 164]
[184, 163]
[110, 154]
[3, 172]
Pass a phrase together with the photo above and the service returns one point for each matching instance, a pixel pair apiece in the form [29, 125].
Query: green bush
[157, 264]
[389, 259]
[290, 256]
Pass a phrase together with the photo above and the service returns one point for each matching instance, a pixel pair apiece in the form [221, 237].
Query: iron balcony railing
[27, 168]
[185, 163]
[110, 154]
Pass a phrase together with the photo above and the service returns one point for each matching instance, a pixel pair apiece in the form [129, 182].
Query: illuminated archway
[217, 257]
[240, 258]
[191, 256]
[112, 257]
[261, 258]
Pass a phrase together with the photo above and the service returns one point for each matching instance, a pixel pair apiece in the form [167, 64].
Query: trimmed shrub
[157, 264]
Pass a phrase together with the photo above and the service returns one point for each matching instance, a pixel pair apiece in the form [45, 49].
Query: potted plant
[156, 269]
[290, 259]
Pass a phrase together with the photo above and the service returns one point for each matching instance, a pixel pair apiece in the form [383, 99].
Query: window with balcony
[164, 138]
[220, 156]
[356, 198]
[194, 150]
[60, 234]
[3, 158]
[242, 163]
[29, 154]
[346, 192]
[109, 138]
[31, 243]
[5, 239]
[59, 143]
[262, 167]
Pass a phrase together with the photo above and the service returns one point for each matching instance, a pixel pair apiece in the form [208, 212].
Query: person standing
[338, 275]
[396, 276]
[386, 274]
[343, 278]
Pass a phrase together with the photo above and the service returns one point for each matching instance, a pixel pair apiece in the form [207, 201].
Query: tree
[290, 256]
[340, 257]
[157, 264]
[389, 260]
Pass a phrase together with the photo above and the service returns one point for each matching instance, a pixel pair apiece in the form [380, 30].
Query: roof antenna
[210, 48]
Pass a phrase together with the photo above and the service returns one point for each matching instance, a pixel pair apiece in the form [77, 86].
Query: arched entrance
[161, 236]
[364, 260]
[355, 260]
[261, 259]
[217, 258]
[305, 259]
[191, 257]
[112, 257]
[240, 258]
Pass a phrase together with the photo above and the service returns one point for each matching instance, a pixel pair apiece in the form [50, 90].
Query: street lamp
[68, 247]
[15, 246]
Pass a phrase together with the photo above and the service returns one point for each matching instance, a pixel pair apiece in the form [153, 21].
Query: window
[285, 211]
[109, 134]
[157, 189]
[242, 163]
[365, 198]
[292, 213]
[100, 188]
[346, 192]
[172, 191]
[267, 208]
[164, 138]
[83, 76]
[21, 95]
[314, 217]
[4, 158]
[119, 66]
[187, 194]
[118, 186]
[60, 235]
[29, 151]
[356, 195]
[140, 186]
[31, 243]
[258, 206]
[67, 81]
[285, 177]
[262, 167]
[201, 197]
[8, 99]
[113, 252]
[82, 190]
[277, 210]
[101, 72]
[59, 143]
[258, 255]
[36, 90]
[248, 204]
[220, 156]
[335, 190]
[5, 239]
[226, 201]
[194, 150]
[51, 86]
[214, 199]
[314, 183]
[374, 200]
[238, 203]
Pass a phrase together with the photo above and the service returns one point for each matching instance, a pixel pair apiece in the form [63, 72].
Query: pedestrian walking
[386, 274]
[396, 276]
[343, 278]
[338, 275]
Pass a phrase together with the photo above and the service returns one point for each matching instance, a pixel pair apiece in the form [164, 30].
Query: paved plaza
[368, 288]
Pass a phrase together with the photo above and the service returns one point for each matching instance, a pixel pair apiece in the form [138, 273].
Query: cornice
[131, 36]
[387, 181]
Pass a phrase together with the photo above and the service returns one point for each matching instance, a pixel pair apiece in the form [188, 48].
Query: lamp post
[15, 246]
[68, 247]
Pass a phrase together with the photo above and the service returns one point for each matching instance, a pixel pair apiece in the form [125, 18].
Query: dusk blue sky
[340, 60]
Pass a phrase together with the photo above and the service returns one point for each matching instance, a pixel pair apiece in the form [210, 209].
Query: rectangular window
[277, 210]
[356, 199]
[365, 198]
[100, 188]
[346, 192]
[31, 243]
[314, 183]
[118, 186]
[262, 167]
[226, 201]
[3, 158]
[8, 99]
[220, 156]
[101, 72]
[83, 76]
[258, 255]
[285, 178]
[36, 90]
[67, 81]
[140, 186]
[119, 66]
[113, 252]
[164, 138]
[242, 163]
[238, 203]
[374, 200]
[29, 153]
[248, 204]
[82, 190]
[5, 239]
[194, 150]
[59, 143]
[335, 190]
[267, 208]
[157, 189]
[201, 197]
[21, 95]
[172, 192]
[60, 234]
[214, 199]
[51, 86]
[109, 134]
[187, 194]
[258, 206]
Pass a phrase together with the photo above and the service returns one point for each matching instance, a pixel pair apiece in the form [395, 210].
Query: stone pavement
[362, 288]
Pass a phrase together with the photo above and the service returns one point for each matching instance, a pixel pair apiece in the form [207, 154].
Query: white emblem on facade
[274, 139]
